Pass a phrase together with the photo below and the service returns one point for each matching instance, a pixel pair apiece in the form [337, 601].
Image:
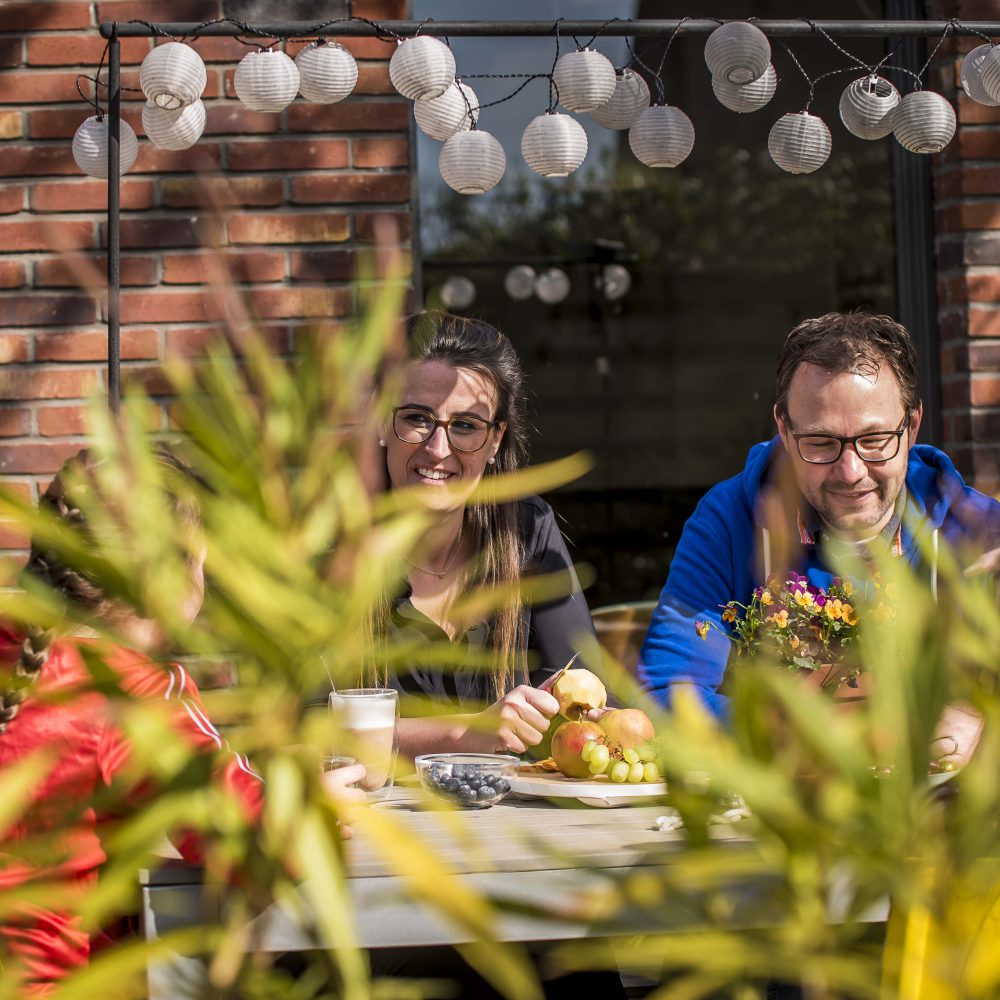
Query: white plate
[601, 791]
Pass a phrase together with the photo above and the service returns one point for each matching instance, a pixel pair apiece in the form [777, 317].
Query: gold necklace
[451, 561]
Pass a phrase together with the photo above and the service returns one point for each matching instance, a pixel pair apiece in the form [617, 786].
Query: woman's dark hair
[476, 346]
[75, 585]
[849, 342]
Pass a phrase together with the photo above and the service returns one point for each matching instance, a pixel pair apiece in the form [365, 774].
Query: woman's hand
[340, 785]
[517, 721]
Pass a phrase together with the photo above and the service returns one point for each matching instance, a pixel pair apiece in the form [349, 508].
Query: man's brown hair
[849, 342]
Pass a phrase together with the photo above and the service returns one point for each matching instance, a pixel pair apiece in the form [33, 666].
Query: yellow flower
[883, 613]
[877, 580]
[780, 618]
[729, 615]
[850, 615]
[890, 590]
[804, 599]
[766, 598]
[848, 588]
[794, 642]
[702, 629]
[834, 609]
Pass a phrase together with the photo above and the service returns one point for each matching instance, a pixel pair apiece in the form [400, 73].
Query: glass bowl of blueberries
[469, 780]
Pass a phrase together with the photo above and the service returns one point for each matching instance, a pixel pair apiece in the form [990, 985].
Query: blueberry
[450, 784]
[465, 793]
[485, 793]
[491, 780]
[502, 786]
[436, 772]
[475, 780]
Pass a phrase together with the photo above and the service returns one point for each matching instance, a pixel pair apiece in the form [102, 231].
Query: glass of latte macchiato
[366, 730]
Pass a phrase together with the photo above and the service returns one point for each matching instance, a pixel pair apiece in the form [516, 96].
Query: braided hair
[78, 588]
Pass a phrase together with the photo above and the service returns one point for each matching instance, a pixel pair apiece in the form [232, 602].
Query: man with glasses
[843, 474]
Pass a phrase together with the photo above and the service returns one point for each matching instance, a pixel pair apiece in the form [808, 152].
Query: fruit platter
[606, 763]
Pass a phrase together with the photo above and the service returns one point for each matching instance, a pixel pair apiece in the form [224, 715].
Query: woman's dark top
[555, 631]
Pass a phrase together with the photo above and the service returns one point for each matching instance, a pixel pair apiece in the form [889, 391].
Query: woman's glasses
[415, 424]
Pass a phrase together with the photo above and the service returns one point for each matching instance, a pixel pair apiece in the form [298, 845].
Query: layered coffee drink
[366, 726]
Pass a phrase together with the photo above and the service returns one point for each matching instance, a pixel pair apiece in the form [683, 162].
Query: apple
[577, 691]
[627, 727]
[568, 741]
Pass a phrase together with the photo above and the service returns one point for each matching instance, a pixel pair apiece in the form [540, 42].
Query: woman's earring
[381, 442]
[491, 461]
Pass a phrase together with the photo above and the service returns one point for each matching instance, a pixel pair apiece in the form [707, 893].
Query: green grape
[635, 773]
[599, 758]
[597, 768]
[631, 757]
[647, 752]
[619, 772]
[588, 749]
[650, 772]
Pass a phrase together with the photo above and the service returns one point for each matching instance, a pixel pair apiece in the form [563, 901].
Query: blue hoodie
[724, 548]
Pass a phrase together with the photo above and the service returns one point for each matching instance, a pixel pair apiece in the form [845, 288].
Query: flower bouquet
[804, 627]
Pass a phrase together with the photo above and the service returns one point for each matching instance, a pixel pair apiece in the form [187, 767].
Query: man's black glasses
[874, 446]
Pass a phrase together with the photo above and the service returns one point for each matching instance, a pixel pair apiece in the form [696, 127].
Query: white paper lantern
[924, 122]
[738, 52]
[519, 282]
[422, 68]
[554, 145]
[266, 81]
[630, 99]
[746, 97]
[799, 143]
[90, 147]
[972, 76]
[584, 80]
[552, 286]
[867, 106]
[172, 76]
[173, 129]
[663, 136]
[472, 162]
[989, 73]
[456, 110]
[327, 72]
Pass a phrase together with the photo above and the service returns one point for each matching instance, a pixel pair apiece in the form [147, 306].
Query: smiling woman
[460, 417]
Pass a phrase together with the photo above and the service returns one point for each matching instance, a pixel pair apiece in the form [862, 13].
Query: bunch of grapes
[632, 765]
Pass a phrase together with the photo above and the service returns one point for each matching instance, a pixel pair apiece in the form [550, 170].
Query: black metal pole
[114, 230]
[493, 29]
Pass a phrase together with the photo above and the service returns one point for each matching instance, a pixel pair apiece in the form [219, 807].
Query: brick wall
[289, 199]
[967, 222]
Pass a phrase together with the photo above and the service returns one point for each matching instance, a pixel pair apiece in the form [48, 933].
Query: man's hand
[340, 785]
[515, 722]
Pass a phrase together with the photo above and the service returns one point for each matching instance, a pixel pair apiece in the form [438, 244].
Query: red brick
[169, 231]
[200, 158]
[218, 49]
[185, 306]
[35, 457]
[47, 310]
[151, 378]
[983, 287]
[12, 274]
[138, 344]
[978, 144]
[44, 16]
[77, 271]
[11, 199]
[323, 265]
[46, 235]
[369, 48]
[954, 359]
[981, 180]
[62, 421]
[81, 50]
[197, 268]
[984, 323]
[13, 347]
[955, 392]
[11, 52]
[14, 421]
[980, 215]
[193, 341]
[984, 357]
[972, 113]
[380, 152]
[232, 118]
[40, 87]
[62, 123]
[293, 154]
[155, 10]
[90, 196]
[61, 383]
[284, 303]
[373, 78]
[11, 125]
[37, 161]
[350, 188]
[389, 226]
[322, 227]
[220, 192]
[379, 10]
[11, 538]
[350, 116]
[22, 488]
[984, 390]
